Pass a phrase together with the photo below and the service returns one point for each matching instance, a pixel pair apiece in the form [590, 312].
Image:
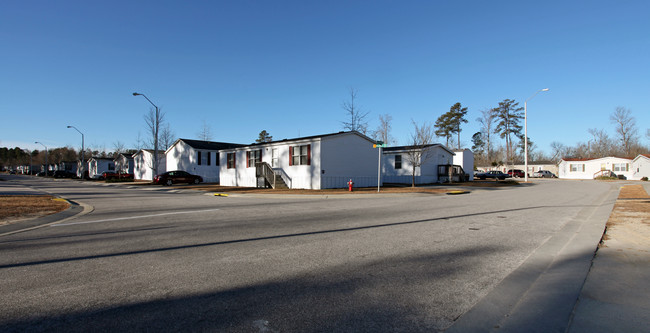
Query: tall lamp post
[46, 163]
[526, 133]
[155, 139]
[83, 150]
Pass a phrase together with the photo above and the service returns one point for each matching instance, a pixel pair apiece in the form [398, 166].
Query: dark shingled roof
[210, 145]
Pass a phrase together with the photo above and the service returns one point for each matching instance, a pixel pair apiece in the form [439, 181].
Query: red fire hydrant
[350, 184]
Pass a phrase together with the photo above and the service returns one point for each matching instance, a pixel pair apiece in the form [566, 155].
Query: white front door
[274, 158]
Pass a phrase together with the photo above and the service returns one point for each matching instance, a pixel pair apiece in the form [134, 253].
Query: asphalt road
[155, 260]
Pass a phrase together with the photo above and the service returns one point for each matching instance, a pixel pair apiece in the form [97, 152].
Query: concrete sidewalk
[616, 294]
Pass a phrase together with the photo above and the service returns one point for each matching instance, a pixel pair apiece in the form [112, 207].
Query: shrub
[645, 179]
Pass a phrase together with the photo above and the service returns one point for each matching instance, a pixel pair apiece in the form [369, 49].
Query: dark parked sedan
[64, 174]
[173, 177]
[492, 175]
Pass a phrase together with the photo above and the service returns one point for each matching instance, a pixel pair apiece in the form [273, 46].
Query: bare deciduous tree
[118, 148]
[559, 150]
[154, 120]
[167, 137]
[382, 132]
[600, 145]
[417, 153]
[486, 120]
[356, 117]
[625, 128]
[205, 133]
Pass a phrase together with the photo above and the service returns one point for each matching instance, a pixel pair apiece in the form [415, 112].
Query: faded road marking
[134, 217]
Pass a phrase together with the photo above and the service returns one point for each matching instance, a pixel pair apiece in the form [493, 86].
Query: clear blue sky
[287, 66]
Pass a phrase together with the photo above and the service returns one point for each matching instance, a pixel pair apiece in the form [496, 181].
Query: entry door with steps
[274, 158]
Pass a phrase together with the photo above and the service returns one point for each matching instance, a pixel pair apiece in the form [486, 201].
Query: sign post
[379, 145]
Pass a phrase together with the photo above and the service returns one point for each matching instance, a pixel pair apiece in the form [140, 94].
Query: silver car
[544, 174]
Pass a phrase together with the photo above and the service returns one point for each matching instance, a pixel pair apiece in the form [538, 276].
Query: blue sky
[287, 66]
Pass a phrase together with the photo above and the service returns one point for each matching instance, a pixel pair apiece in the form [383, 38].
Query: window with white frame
[621, 167]
[300, 155]
[577, 167]
[252, 157]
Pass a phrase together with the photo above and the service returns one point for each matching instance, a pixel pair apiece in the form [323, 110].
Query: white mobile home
[465, 158]
[99, 165]
[573, 168]
[143, 164]
[197, 157]
[315, 162]
[397, 164]
[641, 167]
[124, 163]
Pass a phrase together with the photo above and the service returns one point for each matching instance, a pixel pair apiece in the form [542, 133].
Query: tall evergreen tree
[264, 137]
[509, 116]
[449, 123]
[444, 127]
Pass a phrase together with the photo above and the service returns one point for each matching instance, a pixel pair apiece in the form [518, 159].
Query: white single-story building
[99, 165]
[641, 167]
[465, 158]
[143, 164]
[124, 163]
[314, 162]
[576, 168]
[397, 166]
[197, 157]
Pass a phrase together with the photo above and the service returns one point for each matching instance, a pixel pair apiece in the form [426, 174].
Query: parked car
[115, 175]
[492, 175]
[173, 177]
[516, 173]
[544, 174]
[63, 174]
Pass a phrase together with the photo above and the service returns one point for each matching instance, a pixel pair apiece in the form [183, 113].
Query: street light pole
[83, 150]
[526, 133]
[46, 163]
[155, 139]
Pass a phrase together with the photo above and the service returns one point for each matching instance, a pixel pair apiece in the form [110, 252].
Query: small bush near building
[645, 179]
[606, 178]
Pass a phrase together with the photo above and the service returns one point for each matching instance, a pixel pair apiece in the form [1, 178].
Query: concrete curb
[75, 210]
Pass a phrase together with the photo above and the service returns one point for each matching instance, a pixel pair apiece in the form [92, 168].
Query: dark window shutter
[199, 163]
[309, 155]
[290, 155]
[248, 159]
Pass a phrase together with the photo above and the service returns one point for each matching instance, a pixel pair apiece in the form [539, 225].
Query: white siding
[143, 165]
[427, 174]
[334, 161]
[183, 157]
[640, 167]
[591, 167]
[465, 159]
[347, 157]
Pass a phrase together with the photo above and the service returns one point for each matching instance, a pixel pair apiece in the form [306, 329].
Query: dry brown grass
[16, 207]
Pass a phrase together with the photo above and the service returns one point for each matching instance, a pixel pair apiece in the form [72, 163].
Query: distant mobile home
[314, 162]
[398, 167]
[573, 168]
[124, 163]
[197, 157]
[99, 165]
[143, 164]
